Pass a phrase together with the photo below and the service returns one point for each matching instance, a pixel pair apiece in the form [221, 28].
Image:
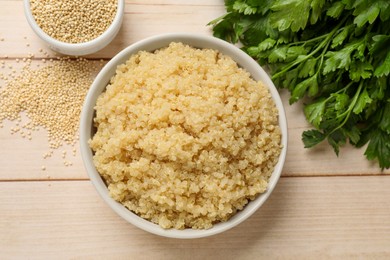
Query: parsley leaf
[314, 112]
[336, 9]
[301, 88]
[363, 100]
[384, 124]
[384, 68]
[368, 16]
[307, 68]
[379, 148]
[379, 43]
[242, 7]
[312, 137]
[290, 14]
[341, 37]
[360, 70]
[342, 59]
[316, 10]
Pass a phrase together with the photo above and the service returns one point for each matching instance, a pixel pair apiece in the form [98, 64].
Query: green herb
[333, 53]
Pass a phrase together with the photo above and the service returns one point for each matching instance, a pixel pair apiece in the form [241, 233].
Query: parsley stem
[325, 42]
[347, 113]
[322, 57]
[217, 20]
[309, 41]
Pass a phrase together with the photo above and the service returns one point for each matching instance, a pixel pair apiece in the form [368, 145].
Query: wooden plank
[43, 218]
[22, 159]
[175, 2]
[339, 217]
[144, 19]
[141, 20]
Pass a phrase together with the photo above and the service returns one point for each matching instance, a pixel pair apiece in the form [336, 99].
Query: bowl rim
[83, 48]
[100, 83]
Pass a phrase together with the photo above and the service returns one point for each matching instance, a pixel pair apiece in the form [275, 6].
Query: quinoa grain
[74, 21]
[185, 138]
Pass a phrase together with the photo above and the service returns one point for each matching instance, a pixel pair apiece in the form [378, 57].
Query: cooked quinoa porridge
[184, 137]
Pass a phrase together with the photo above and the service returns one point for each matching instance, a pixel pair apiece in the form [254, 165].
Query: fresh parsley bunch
[333, 53]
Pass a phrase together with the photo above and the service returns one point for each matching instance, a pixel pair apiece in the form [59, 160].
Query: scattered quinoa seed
[67, 163]
[50, 96]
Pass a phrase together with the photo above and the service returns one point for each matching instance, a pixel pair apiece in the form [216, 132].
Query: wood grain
[323, 207]
[343, 217]
[318, 161]
[141, 20]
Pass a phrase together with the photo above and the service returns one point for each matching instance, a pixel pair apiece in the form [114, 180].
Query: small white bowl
[78, 49]
[99, 86]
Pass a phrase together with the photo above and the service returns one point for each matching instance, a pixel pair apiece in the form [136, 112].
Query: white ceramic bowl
[99, 85]
[78, 49]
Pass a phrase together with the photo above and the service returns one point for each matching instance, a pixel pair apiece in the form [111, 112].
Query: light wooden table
[323, 206]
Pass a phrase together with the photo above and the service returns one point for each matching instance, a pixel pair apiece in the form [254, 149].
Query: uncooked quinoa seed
[51, 97]
[74, 21]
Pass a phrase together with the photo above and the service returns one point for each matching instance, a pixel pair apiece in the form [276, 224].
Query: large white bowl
[78, 49]
[99, 85]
